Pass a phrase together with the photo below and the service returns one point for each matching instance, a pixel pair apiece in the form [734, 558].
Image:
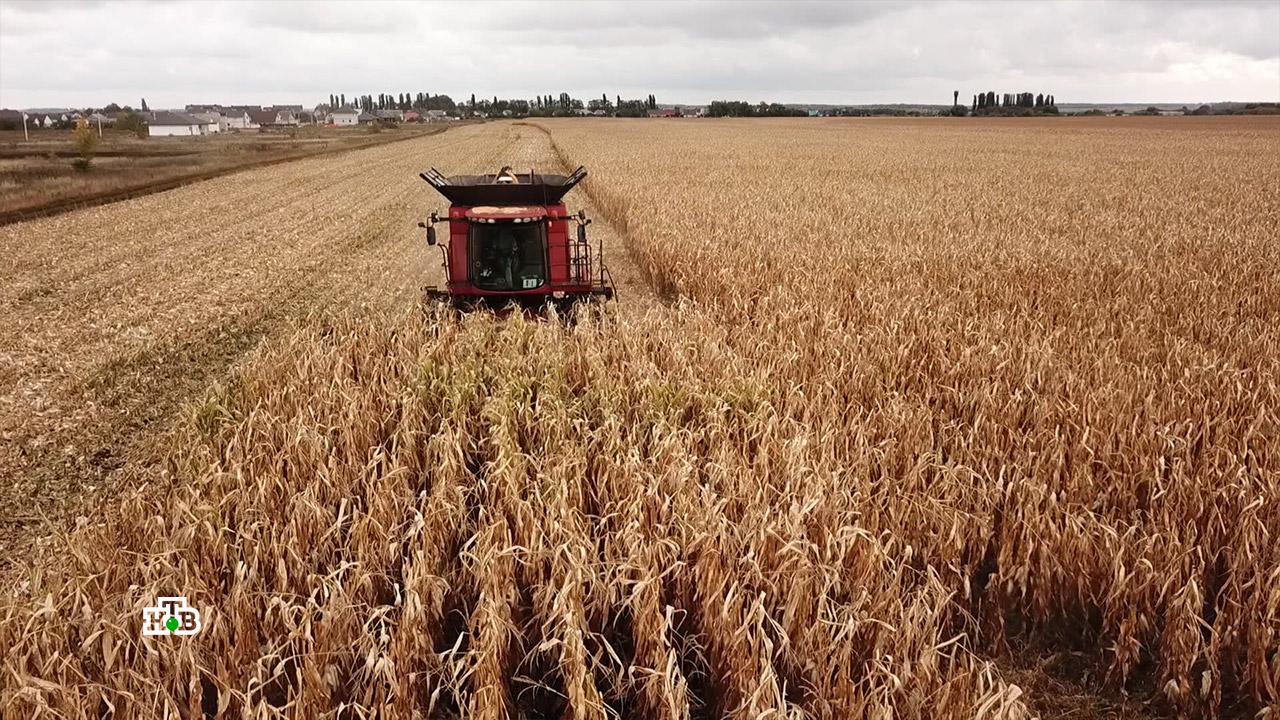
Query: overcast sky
[174, 53]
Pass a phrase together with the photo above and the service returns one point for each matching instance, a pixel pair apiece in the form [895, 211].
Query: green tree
[84, 140]
[131, 122]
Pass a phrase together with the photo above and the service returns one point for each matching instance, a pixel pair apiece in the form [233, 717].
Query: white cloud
[91, 53]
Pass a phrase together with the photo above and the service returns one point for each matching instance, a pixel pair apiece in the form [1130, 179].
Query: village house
[235, 119]
[343, 117]
[271, 118]
[287, 114]
[47, 118]
[212, 122]
[171, 124]
[436, 116]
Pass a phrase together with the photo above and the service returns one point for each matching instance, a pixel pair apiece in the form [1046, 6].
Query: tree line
[540, 106]
[989, 103]
[397, 101]
[738, 108]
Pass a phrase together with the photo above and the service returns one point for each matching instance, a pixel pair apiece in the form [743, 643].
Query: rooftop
[164, 117]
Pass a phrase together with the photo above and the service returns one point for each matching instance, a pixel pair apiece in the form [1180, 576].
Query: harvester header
[504, 189]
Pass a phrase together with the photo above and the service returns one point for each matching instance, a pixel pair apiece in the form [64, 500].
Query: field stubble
[37, 177]
[111, 317]
[920, 389]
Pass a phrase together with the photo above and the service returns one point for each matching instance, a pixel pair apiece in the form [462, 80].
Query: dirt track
[111, 317]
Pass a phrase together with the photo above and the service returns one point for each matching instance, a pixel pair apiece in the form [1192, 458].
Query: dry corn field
[894, 420]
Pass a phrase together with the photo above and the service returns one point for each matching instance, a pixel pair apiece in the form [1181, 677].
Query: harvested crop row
[113, 316]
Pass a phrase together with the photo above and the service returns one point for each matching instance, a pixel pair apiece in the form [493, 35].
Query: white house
[47, 119]
[235, 119]
[436, 116]
[268, 117]
[212, 122]
[344, 116]
[171, 124]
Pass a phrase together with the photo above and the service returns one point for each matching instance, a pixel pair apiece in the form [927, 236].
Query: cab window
[508, 256]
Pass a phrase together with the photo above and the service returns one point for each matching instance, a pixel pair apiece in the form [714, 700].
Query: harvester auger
[509, 243]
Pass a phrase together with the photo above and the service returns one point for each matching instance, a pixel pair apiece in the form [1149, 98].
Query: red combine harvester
[509, 243]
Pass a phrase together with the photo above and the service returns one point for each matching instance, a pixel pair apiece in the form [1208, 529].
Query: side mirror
[431, 235]
[582, 233]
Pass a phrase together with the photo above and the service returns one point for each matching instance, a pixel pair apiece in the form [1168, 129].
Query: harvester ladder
[579, 261]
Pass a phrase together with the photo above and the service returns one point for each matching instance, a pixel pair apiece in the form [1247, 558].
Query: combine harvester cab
[509, 243]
